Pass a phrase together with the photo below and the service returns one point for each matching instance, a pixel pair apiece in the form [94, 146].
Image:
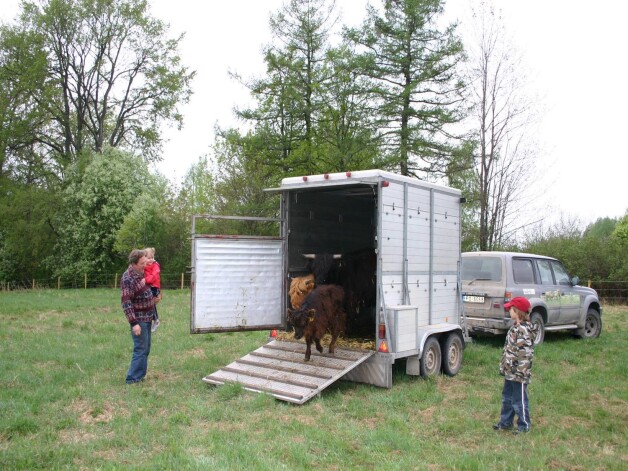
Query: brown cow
[300, 287]
[321, 312]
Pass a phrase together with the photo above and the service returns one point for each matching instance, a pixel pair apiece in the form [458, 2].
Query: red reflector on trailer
[304, 179]
[273, 333]
[385, 183]
[348, 174]
[383, 347]
[382, 331]
[326, 176]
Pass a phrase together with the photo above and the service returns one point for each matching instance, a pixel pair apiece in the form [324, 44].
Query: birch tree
[505, 151]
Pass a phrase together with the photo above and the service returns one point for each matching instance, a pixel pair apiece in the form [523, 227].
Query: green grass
[64, 403]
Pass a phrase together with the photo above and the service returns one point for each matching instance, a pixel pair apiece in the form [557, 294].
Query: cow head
[299, 319]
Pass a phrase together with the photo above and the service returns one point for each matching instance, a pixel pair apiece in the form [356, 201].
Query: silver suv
[490, 279]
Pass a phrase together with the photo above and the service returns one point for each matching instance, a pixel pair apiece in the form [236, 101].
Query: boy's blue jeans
[515, 401]
[141, 349]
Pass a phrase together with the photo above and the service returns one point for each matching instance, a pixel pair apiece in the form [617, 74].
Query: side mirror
[575, 280]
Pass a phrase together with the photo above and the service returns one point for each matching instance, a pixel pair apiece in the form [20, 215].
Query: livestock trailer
[411, 307]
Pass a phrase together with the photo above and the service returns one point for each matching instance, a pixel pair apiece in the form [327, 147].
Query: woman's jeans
[515, 401]
[141, 349]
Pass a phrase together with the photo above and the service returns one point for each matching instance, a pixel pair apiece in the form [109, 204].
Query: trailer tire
[452, 354]
[430, 358]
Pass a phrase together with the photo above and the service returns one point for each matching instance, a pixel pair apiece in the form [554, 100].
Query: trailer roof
[355, 178]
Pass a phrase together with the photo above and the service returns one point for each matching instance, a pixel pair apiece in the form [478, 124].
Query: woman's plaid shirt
[137, 300]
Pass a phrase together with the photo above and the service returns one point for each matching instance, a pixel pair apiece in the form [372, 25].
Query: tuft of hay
[354, 343]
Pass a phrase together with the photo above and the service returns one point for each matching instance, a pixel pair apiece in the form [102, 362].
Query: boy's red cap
[520, 303]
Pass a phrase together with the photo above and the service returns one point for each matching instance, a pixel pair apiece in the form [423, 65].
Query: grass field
[64, 403]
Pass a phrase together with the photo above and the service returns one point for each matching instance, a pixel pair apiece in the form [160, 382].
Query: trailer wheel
[431, 358]
[452, 354]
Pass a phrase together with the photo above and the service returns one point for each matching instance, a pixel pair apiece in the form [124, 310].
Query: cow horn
[337, 256]
[310, 256]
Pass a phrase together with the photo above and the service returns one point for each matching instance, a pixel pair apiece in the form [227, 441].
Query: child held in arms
[152, 278]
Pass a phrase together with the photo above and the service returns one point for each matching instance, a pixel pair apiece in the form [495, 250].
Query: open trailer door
[237, 282]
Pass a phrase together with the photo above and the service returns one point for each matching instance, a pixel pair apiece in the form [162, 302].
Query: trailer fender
[436, 330]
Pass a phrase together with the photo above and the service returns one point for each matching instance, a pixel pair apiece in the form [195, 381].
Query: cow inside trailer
[337, 221]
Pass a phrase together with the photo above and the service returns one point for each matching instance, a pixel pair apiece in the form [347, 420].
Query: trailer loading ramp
[278, 368]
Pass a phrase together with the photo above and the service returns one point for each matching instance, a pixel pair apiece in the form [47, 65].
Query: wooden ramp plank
[278, 368]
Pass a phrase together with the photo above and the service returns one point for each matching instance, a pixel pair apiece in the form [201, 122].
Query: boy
[516, 366]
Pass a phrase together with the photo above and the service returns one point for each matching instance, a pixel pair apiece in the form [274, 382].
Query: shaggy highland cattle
[322, 311]
[300, 287]
[356, 272]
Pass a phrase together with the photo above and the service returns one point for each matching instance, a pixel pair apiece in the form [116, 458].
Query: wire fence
[609, 292]
[86, 281]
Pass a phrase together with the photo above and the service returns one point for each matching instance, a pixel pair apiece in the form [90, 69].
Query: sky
[571, 55]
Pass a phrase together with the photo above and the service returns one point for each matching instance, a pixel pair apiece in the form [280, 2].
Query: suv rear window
[522, 271]
[481, 268]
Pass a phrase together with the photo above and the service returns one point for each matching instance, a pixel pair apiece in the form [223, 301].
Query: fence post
[33, 283]
[58, 282]
[589, 284]
[182, 280]
[85, 283]
[115, 282]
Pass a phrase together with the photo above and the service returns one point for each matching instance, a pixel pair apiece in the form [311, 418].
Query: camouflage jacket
[516, 364]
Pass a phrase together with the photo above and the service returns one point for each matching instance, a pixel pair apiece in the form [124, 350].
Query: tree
[415, 92]
[239, 182]
[345, 132]
[29, 184]
[156, 220]
[23, 72]
[289, 97]
[93, 210]
[197, 194]
[116, 74]
[461, 174]
[621, 230]
[27, 236]
[504, 153]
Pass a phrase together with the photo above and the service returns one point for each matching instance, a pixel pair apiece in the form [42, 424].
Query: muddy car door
[569, 299]
[550, 291]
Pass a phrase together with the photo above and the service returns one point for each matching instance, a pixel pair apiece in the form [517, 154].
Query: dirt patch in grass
[615, 406]
[371, 423]
[89, 414]
[198, 353]
[74, 436]
[558, 464]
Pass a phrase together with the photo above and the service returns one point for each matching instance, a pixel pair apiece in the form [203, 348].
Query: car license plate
[473, 299]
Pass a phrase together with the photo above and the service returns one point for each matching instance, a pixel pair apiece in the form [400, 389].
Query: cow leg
[332, 344]
[319, 347]
[308, 349]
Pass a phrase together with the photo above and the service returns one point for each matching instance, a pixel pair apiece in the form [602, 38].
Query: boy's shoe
[500, 426]
[154, 325]
[521, 430]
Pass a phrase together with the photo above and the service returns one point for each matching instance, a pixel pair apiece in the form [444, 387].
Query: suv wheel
[592, 325]
[537, 319]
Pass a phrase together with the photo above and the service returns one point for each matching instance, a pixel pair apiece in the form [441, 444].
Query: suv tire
[592, 325]
[537, 318]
